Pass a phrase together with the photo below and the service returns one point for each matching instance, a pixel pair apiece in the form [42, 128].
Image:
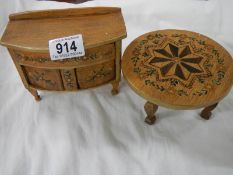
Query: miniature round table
[178, 69]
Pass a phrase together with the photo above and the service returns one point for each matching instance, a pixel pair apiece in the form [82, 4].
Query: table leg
[115, 87]
[150, 109]
[34, 93]
[206, 113]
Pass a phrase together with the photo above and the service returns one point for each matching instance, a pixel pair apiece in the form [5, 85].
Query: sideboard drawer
[92, 56]
[95, 75]
[47, 79]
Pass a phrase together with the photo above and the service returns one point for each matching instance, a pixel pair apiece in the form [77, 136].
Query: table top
[32, 30]
[178, 69]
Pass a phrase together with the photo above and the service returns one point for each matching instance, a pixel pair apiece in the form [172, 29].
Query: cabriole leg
[150, 109]
[206, 113]
[115, 87]
[34, 93]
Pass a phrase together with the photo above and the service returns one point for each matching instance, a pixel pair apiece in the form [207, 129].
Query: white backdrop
[94, 133]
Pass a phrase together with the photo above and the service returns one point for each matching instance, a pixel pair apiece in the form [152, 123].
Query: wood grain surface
[31, 31]
[27, 35]
[178, 69]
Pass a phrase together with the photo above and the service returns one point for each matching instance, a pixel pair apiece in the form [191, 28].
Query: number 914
[60, 48]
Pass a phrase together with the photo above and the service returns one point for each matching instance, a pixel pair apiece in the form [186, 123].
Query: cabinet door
[95, 75]
[45, 79]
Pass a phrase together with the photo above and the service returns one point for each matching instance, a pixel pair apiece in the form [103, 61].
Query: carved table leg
[150, 109]
[206, 113]
[115, 87]
[34, 93]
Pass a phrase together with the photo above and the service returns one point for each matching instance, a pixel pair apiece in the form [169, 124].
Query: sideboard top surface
[32, 30]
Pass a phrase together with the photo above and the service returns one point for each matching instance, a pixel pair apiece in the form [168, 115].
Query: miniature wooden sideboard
[27, 35]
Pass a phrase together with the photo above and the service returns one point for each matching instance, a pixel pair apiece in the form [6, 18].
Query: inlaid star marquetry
[176, 62]
[178, 68]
